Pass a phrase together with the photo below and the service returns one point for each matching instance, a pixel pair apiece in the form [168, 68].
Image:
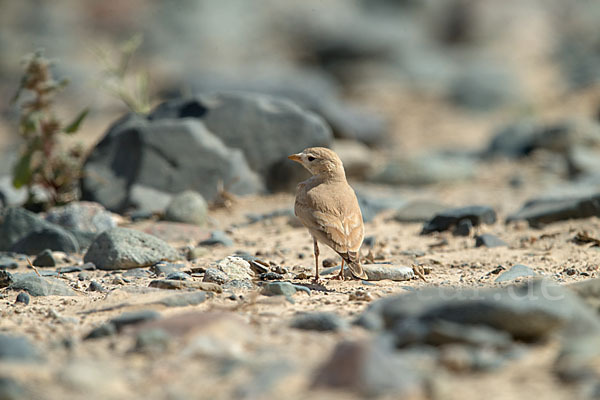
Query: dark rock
[16, 348]
[40, 286]
[6, 278]
[16, 223]
[23, 297]
[122, 248]
[463, 228]
[545, 211]
[450, 218]
[45, 259]
[489, 240]
[82, 216]
[270, 276]
[133, 318]
[55, 239]
[371, 369]
[134, 156]
[189, 207]
[183, 299]
[529, 312]
[96, 287]
[266, 129]
[164, 268]
[419, 211]
[178, 275]
[217, 238]
[8, 263]
[319, 321]
[215, 275]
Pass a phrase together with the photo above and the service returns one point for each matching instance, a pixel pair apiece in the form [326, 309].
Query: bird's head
[320, 161]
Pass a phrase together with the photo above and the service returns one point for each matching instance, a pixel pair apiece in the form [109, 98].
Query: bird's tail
[352, 259]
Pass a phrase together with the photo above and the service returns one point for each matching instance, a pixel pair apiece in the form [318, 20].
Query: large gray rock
[122, 248]
[540, 212]
[531, 311]
[169, 155]
[25, 232]
[52, 238]
[265, 128]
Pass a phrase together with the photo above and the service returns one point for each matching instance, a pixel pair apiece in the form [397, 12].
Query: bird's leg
[316, 248]
[341, 275]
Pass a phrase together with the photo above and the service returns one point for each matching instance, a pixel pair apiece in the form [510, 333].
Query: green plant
[119, 81]
[43, 162]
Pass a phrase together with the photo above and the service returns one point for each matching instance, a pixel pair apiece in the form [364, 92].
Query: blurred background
[416, 92]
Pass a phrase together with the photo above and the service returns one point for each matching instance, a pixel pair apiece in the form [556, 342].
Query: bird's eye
[311, 158]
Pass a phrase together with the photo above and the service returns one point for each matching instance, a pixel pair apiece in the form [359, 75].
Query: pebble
[96, 287]
[270, 276]
[189, 284]
[319, 321]
[236, 268]
[489, 240]
[23, 297]
[215, 275]
[517, 271]
[217, 238]
[68, 270]
[189, 207]
[178, 275]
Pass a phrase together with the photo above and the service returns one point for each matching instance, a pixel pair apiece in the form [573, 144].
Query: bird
[327, 206]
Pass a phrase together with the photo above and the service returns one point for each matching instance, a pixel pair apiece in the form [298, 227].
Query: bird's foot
[338, 277]
[318, 281]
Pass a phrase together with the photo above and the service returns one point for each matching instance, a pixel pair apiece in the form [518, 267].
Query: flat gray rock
[517, 271]
[541, 212]
[121, 248]
[40, 286]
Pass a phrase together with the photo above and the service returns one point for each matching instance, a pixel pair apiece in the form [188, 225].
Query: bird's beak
[295, 157]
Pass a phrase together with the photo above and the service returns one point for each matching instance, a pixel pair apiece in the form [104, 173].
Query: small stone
[517, 271]
[96, 287]
[189, 207]
[463, 228]
[137, 273]
[164, 268]
[217, 238]
[83, 276]
[278, 289]
[270, 276]
[178, 275]
[378, 272]
[23, 297]
[68, 270]
[319, 321]
[489, 240]
[239, 284]
[45, 259]
[215, 275]
[236, 268]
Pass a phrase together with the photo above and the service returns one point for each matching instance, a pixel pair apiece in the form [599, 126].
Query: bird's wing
[331, 214]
